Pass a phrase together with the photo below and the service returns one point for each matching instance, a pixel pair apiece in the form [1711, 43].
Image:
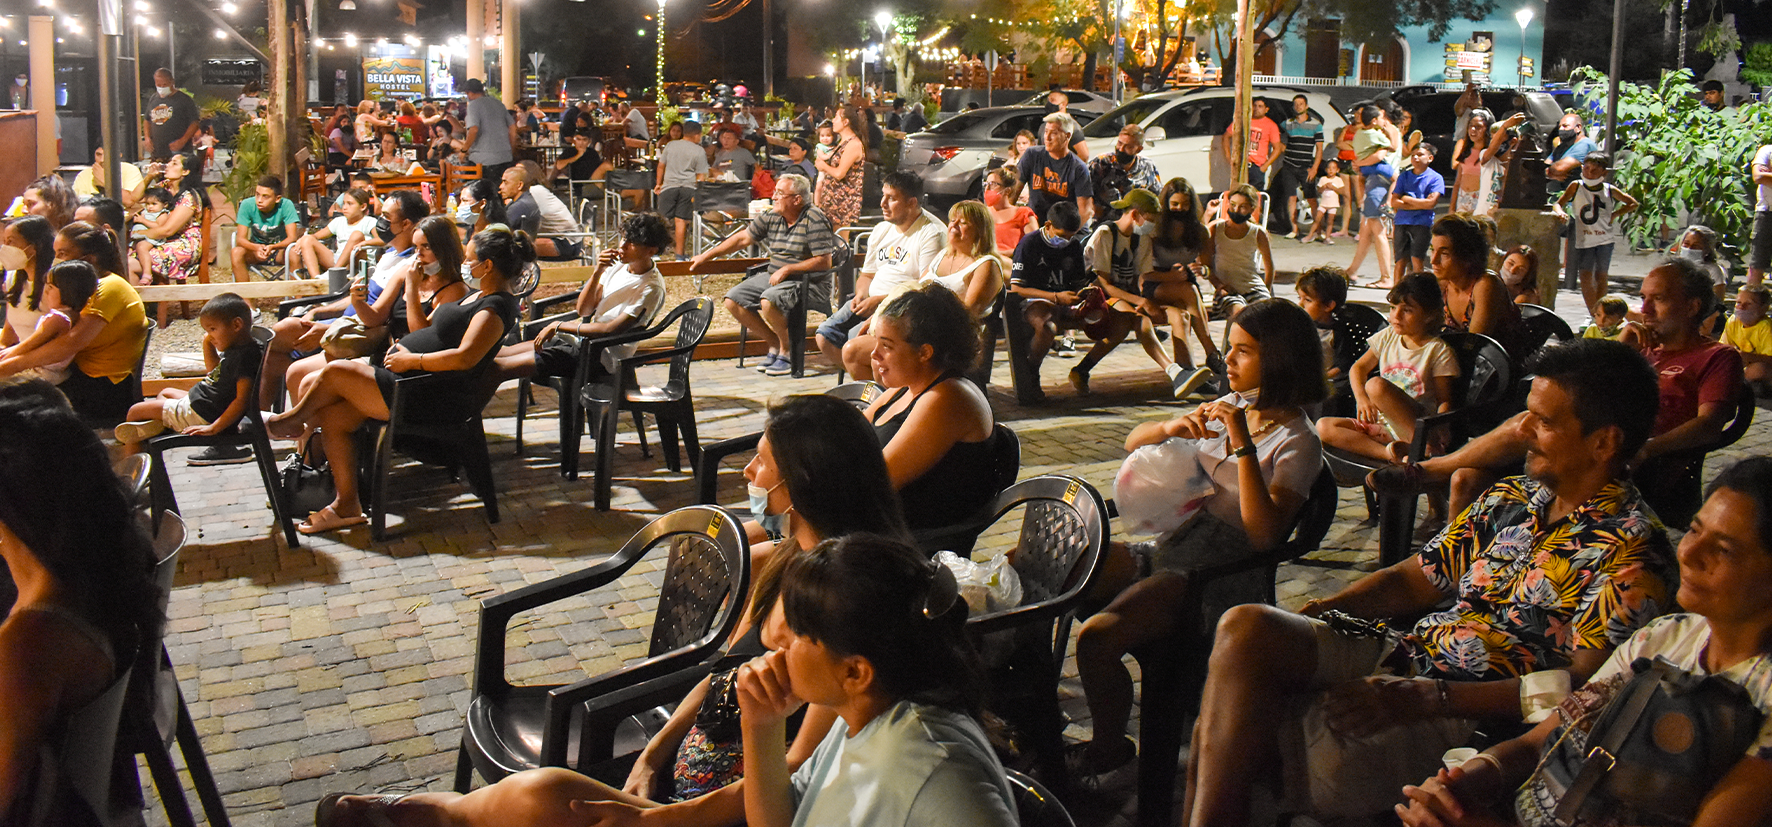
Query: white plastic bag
[991, 586]
[1162, 486]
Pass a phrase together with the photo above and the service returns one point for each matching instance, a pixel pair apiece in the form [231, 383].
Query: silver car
[952, 156]
[1094, 103]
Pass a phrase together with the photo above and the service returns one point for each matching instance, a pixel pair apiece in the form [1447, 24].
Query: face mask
[1124, 157]
[1238, 217]
[1592, 183]
[433, 268]
[1692, 254]
[164, 91]
[465, 215]
[992, 198]
[759, 502]
[1055, 242]
[1566, 134]
[1249, 398]
[1146, 228]
[384, 230]
[467, 275]
[11, 258]
[1511, 275]
[1750, 316]
[1051, 107]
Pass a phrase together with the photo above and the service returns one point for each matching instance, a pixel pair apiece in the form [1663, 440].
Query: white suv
[1184, 129]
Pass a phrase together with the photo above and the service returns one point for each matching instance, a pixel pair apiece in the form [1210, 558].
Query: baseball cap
[1138, 198]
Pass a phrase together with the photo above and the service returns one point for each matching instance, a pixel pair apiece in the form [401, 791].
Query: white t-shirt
[1763, 160]
[1591, 211]
[341, 227]
[910, 766]
[1290, 456]
[625, 294]
[897, 258]
[1112, 255]
[1412, 369]
[556, 217]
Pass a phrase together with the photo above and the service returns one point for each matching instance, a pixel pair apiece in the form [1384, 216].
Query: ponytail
[98, 244]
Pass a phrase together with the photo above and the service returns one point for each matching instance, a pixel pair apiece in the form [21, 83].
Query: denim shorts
[1597, 259]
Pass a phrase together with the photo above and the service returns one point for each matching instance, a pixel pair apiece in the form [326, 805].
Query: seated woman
[107, 339]
[936, 427]
[388, 160]
[968, 267]
[460, 343]
[1726, 589]
[1262, 453]
[819, 475]
[480, 206]
[1519, 271]
[33, 239]
[175, 259]
[1476, 299]
[85, 600]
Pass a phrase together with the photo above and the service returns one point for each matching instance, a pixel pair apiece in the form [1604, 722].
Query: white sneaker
[138, 431]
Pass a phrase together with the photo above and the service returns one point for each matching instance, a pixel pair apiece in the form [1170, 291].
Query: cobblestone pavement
[345, 664]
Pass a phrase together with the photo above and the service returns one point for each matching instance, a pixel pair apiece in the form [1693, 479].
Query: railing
[1296, 80]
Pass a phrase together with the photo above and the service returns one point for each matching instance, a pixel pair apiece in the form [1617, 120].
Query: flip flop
[328, 520]
[327, 812]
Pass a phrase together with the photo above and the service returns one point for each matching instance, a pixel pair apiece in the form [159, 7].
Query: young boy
[1049, 276]
[1118, 255]
[217, 402]
[1322, 292]
[1418, 190]
[1751, 333]
[1598, 206]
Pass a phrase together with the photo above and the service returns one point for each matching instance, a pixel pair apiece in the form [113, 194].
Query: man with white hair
[1052, 173]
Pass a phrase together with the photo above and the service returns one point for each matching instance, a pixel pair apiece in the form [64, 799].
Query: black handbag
[305, 480]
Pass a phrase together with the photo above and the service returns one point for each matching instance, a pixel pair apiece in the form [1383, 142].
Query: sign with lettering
[228, 72]
[393, 77]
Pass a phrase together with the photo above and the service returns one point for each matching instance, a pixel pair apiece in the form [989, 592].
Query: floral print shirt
[1529, 591]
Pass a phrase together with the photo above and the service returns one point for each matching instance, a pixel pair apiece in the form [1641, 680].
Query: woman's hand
[765, 696]
[1435, 803]
[401, 360]
[643, 780]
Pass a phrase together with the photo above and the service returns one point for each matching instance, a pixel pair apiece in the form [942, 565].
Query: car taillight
[945, 153]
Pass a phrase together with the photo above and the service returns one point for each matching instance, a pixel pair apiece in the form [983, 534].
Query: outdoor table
[387, 183]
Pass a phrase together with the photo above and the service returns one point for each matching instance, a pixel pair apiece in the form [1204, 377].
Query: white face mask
[1592, 183]
[1750, 316]
[1692, 254]
[11, 258]
[165, 91]
[1512, 275]
[433, 268]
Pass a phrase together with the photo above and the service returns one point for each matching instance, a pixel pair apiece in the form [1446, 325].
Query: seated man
[1549, 571]
[1050, 277]
[268, 224]
[536, 210]
[799, 242]
[626, 291]
[1699, 380]
[900, 248]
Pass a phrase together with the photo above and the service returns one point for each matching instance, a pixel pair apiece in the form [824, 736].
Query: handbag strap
[1601, 757]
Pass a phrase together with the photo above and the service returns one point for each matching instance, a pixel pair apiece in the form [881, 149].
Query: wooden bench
[291, 288]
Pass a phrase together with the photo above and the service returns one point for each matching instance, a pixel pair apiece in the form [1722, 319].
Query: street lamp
[1524, 18]
[831, 72]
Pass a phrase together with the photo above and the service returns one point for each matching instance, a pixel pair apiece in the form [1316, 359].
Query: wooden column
[1245, 74]
[510, 55]
[476, 57]
[42, 39]
[279, 102]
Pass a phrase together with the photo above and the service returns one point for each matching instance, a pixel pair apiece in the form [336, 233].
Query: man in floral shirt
[1549, 571]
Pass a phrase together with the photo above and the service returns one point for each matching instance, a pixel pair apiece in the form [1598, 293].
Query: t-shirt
[809, 236]
[524, 214]
[112, 354]
[584, 167]
[168, 118]
[1040, 266]
[493, 143]
[737, 160]
[682, 160]
[1411, 369]
[1264, 139]
[267, 229]
[1763, 196]
[1755, 339]
[896, 257]
[1290, 456]
[628, 294]
[1369, 140]
[1051, 180]
[1301, 141]
[1418, 186]
[556, 218]
[1576, 150]
[913, 765]
[1121, 259]
[86, 187]
[341, 227]
[1529, 591]
[210, 397]
[914, 121]
[248, 104]
[1591, 210]
[1704, 375]
[1011, 229]
[637, 125]
[1679, 638]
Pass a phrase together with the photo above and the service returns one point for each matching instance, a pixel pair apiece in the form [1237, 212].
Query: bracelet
[1445, 700]
[1245, 451]
[421, 366]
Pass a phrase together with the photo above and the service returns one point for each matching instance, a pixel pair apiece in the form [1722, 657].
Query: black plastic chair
[1173, 670]
[841, 261]
[1484, 391]
[960, 538]
[249, 433]
[1036, 806]
[672, 404]
[1542, 326]
[456, 444]
[1360, 322]
[707, 469]
[1057, 556]
[1671, 483]
[513, 728]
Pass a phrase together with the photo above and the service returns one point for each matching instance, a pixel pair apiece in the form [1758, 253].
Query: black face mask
[1124, 157]
[384, 230]
[1566, 134]
[1238, 217]
[1051, 107]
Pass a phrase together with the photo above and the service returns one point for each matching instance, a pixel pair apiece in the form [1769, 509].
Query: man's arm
[1398, 590]
[742, 238]
[291, 233]
[473, 135]
[1697, 432]
[1763, 172]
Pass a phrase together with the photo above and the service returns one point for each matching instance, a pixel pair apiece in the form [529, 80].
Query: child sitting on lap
[70, 285]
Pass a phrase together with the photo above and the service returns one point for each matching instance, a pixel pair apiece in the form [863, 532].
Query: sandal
[279, 426]
[327, 519]
[329, 812]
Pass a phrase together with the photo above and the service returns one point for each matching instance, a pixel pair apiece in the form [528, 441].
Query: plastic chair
[1036, 806]
[707, 469]
[672, 403]
[514, 728]
[1058, 556]
[134, 470]
[1542, 325]
[248, 433]
[1360, 322]
[458, 445]
[82, 753]
[1172, 671]
[1671, 482]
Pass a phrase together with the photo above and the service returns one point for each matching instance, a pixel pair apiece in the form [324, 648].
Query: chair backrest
[1316, 515]
[141, 362]
[859, 394]
[1541, 325]
[1363, 321]
[1485, 375]
[1036, 806]
[82, 753]
[1058, 552]
[723, 196]
[697, 315]
[705, 577]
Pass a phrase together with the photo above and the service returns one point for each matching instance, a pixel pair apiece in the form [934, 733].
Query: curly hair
[930, 314]
[646, 229]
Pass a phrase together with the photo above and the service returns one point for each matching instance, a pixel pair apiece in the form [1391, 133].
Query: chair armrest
[707, 469]
[496, 613]
[533, 327]
[1019, 615]
[606, 699]
[288, 306]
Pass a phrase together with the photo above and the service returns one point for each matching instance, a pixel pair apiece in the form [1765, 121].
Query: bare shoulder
[960, 405]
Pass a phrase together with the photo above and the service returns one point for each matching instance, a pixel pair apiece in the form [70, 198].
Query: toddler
[1331, 188]
[1611, 321]
[1406, 372]
[217, 402]
[70, 285]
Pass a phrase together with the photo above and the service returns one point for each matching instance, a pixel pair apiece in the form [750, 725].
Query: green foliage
[1758, 68]
[1684, 163]
[252, 156]
[668, 115]
[1719, 38]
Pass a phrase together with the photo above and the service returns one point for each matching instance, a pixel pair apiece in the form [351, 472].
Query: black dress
[449, 397]
[961, 483]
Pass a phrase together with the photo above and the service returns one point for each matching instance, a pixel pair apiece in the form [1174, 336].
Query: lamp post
[1524, 18]
[883, 19]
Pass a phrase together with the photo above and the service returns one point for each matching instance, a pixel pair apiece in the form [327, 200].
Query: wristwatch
[1245, 451]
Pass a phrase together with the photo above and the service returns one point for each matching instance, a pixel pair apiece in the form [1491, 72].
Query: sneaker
[1066, 347]
[1080, 381]
[767, 362]
[1188, 381]
[138, 431]
[1215, 363]
[221, 455]
[780, 367]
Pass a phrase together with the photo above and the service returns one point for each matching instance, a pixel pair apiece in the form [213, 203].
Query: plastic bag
[1162, 486]
[991, 586]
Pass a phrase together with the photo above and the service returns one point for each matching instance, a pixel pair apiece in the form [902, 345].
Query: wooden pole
[280, 102]
[42, 59]
[476, 58]
[510, 55]
[1245, 75]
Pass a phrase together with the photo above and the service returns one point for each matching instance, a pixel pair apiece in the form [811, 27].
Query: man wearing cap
[491, 131]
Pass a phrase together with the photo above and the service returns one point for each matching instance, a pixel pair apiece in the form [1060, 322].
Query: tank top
[960, 483]
[955, 281]
[1233, 260]
[1592, 212]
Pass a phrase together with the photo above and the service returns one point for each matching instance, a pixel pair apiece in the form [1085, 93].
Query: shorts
[177, 415]
[1378, 190]
[1228, 301]
[1257, 177]
[677, 202]
[1326, 773]
[569, 249]
[1291, 178]
[1412, 241]
[1760, 255]
[836, 329]
[1596, 259]
[756, 289]
[559, 359]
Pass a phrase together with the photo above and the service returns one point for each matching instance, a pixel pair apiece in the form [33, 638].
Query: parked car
[1081, 101]
[585, 88]
[1184, 128]
[1435, 118]
[952, 156]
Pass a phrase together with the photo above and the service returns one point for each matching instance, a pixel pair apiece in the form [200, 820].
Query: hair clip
[943, 591]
